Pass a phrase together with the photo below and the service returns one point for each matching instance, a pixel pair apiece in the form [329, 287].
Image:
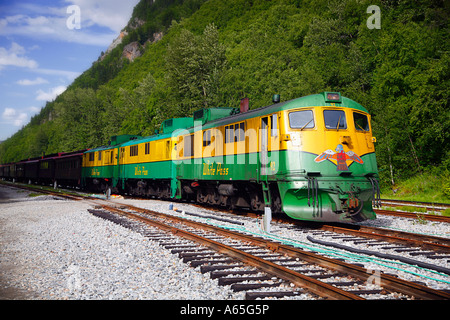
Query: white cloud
[70, 75]
[8, 113]
[34, 109]
[26, 82]
[50, 95]
[113, 14]
[14, 56]
[53, 28]
[101, 21]
[16, 118]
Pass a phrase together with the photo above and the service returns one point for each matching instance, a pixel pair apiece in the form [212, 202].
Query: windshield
[301, 119]
[335, 119]
[361, 122]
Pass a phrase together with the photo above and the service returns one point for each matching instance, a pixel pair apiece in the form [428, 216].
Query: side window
[274, 125]
[335, 119]
[240, 132]
[235, 133]
[206, 138]
[134, 151]
[189, 146]
[301, 119]
[361, 122]
[229, 134]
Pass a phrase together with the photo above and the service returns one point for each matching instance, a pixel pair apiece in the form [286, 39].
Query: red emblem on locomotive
[340, 156]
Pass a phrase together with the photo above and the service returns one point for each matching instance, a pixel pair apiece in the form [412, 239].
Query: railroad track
[423, 240]
[287, 270]
[429, 205]
[412, 215]
[46, 190]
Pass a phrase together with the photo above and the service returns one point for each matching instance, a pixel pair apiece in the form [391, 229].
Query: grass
[446, 212]
[427, 187]
[411, 209]
[35, 194]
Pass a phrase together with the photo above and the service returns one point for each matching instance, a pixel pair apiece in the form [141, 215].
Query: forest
[213, 53]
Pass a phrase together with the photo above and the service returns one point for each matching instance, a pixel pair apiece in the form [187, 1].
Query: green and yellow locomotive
[311, 158]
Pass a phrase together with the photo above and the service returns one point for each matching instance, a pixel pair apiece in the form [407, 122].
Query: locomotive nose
[330, 201]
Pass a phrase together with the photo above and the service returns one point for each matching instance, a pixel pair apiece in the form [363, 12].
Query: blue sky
[45, 45]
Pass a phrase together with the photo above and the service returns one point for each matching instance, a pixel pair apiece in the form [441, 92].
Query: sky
[45, 45]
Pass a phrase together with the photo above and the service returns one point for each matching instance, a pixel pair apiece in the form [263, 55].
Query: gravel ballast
[55, 249]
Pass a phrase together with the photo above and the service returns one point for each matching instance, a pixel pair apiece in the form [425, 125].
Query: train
[311, 158]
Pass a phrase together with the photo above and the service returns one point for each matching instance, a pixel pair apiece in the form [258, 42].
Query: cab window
[301, 119]
[335, 119]
[188, 146]
[361, 122]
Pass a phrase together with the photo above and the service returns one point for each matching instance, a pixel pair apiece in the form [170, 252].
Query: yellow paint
[140, 171]
[319, 139]
[315, 140]
[218, 145]
[100, 158]
[215, 168]
[157, 150]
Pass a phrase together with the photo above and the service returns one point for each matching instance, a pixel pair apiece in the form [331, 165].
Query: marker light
[332, 97]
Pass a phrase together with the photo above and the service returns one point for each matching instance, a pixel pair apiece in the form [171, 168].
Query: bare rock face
[157, 36]
[131, 51]
[114, 44]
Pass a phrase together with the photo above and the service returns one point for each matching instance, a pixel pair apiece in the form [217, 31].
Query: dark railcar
[20, 171]
[47, 169]
[68, 168]
[2, 171]
[32, 169]
[12, 171]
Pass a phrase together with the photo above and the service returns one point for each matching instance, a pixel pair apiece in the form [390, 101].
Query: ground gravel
[55, 249]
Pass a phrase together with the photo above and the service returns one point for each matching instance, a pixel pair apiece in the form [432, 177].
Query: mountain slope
[235, 48]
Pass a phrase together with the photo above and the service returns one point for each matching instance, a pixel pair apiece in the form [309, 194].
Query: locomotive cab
[329, 170]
